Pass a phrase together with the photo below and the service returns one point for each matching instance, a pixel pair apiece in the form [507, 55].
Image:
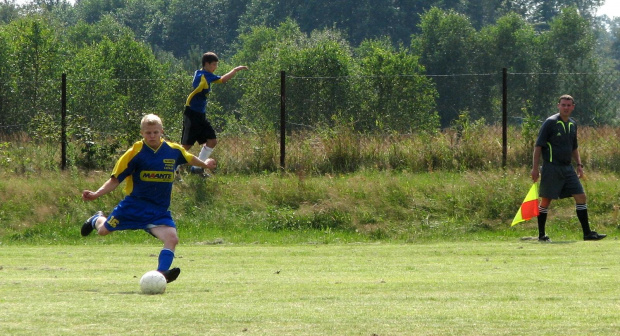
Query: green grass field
[510, 287]
[373, 252]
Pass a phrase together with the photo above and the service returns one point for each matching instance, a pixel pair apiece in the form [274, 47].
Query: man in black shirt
[557, 143]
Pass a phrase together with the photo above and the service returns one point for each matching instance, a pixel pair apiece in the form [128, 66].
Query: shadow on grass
[553, 242]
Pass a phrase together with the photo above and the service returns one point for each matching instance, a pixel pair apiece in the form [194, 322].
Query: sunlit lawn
[464, 288]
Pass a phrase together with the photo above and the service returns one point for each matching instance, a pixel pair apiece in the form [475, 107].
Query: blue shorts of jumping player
[559, 181]
[136, 214]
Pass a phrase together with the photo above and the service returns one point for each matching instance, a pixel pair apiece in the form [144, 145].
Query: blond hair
[150, 120]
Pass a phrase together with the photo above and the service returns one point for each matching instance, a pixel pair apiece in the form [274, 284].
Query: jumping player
[196, 127]
[148, 168]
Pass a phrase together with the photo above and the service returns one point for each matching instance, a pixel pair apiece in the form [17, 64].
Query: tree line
[393, 66]
[177, 25]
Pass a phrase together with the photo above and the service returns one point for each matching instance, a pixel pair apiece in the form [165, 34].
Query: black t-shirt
[558, 139]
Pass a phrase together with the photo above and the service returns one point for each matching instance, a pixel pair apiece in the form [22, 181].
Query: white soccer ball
[153, 282]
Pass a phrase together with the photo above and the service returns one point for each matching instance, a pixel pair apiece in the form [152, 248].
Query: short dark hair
[566, 97]
[209, 57]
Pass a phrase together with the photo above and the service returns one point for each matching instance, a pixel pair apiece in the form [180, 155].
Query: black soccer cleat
[196, 170]
[544, 239]
[88, 227]
[171, 274]
[199, 171]
[594, 236]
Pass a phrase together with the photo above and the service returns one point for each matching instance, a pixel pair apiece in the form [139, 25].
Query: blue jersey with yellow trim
[197, 100]
[149, 172]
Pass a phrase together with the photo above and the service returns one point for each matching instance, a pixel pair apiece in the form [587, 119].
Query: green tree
[114, 83]
[266, 13]
[357, 20]
[145, 18]
[615, 43]
[263, 49]
[209, 24]
[394, 93]
[509, 43]
[316, 67]
[92, 11]
[7, 86]
[446, 46]
[318, 87]
[84, 34]
[571, 41]
[542, 12]
[8, 11]
[260, 39]
[481, 12]
[36, 67]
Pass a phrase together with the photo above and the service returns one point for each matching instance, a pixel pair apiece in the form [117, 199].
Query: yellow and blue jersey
[197, 100]
[149, 173]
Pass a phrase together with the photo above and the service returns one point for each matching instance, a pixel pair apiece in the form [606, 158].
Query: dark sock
[542, 220]
[582, 214]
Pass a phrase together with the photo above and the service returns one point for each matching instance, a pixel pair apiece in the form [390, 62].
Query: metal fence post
[504, 116]
[282, 119]
[63, 122]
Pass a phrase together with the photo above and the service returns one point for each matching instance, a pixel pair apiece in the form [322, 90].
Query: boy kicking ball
[148, 167]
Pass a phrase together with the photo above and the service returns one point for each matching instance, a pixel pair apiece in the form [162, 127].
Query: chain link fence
[333, 124]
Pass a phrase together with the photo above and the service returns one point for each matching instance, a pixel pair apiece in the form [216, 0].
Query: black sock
[582, 214]
[542, 220]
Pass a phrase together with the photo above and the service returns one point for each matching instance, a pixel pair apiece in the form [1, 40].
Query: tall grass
[274, 207]
[473, 147]
[338, 183]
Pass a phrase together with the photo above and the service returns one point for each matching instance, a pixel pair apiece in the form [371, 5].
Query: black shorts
[196, 128]
[559, 181]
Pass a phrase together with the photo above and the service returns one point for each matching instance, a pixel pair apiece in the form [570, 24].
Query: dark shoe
[88, 226]
[196, 170]
[199, 171]
[594, 236]
[171, 274]
[544, 239]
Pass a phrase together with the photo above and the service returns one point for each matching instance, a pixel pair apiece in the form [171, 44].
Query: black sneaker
[594, 236]
[88, 227]
[544, 239]
[199, 171]
[171, 274]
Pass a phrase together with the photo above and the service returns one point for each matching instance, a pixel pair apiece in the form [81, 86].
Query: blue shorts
[559, 181]
[136, 214]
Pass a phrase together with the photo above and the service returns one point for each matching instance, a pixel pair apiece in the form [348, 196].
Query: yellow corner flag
[529, 207]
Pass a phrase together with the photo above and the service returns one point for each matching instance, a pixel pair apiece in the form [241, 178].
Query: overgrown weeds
[364, 206]
[467, 146]
[397, 186]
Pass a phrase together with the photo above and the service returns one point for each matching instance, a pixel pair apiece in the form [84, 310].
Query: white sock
[205, 152]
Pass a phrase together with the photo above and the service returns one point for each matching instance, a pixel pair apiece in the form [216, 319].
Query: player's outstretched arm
[225, 78]
[107, 187]
[208, 164]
